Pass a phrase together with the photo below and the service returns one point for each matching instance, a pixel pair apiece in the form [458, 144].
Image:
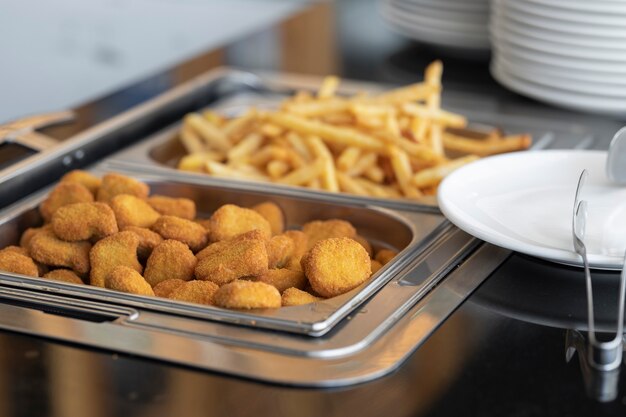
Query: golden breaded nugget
[365, 243]
[376, 266]
[297, 297]
[200, 292]
[64, 275]
[231, 220]
[63, 194]
[165, 288]
[385, 255]
[204, 223]
[116, 250]
[18, 263]
[133, 211]
[16, 249]
[300, 245]
[226, 244]
[335, 266]
[29, 233]
[247, 295]
[115, 184]
[324, 229]
[125, 279]
[183, 230]
[83, 221]
[89, 181]
[170, 260]
[233, 259]
[273, 214]
[48, 249]
[179, 207]
[283, 279]
[280, 249]
[148, 240]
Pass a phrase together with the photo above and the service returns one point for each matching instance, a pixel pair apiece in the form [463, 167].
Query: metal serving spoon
[616, 159]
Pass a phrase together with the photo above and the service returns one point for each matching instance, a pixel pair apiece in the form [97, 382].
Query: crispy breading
[200, 292]
[183, 230]
[376, 266]
[114, 184]
[63, 194]
[325, 229]
[165, 288]
[29, 233]
[90, 181]
[48, 249]
[247, 295]
[83, 221]
[385, 255]
[119, 249]
[179, 207]
[335, 266]
[64, 275]
[230, 220]
[204, 223]
[148, 240]
[280, 249]
[170, 260]
[226, 244]
[283, 279]
[365, 243]
[133, 211]
[41, 268]
[296, 297]
[273, 214]
[233, 259]
[300, 246]
[13, 261]
[125, 279]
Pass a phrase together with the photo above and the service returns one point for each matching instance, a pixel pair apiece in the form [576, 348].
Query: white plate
[523, 202]
[594, 6]
[567, 99]
[615, 20]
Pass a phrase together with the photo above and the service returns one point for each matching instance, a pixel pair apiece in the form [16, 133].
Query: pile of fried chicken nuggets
[110, 233]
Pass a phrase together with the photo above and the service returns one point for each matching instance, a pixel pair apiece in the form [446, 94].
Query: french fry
[431, 177]
[244, 148]
[268, 153]
[277, 168]
[196, 161]
[348, 158]
[297, 143]
[433, 102]
[303, 175]
[486, 147]
[235, 128]
[329, 86]
[365, 162]
[221, 170]
[349, 185]
[328, 178]
[414, 92]
[190, 140]
[214, 137]
[318, 108]
[375, 174]
[440, 116]
[377, 190]
[402, 170]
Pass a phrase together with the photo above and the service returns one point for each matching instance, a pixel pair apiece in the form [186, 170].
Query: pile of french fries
[398, 144]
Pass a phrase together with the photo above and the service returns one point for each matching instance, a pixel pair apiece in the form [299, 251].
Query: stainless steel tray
[410, 233]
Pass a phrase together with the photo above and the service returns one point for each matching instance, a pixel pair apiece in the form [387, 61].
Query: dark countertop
[500, 354]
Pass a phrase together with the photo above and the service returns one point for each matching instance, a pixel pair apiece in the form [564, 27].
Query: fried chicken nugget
[83, 221]
[179, 207]
[41, 268]
[133, 211]
[233, 259]
[63, 194]
[170, 260]
[91, 182]
[230, 220]
[29, 233]
[376, 266]
[280, 249]
[300, 246]
[365, 243]
[247, 295]
[64, 275]
[385, 255]
[165, 288]
[283, 279]
[48, 249]
[273, 214]
[223, 245]
[186, 231]
[119, 249]
[115, 184]
[148, 240]
[325, 229]
[296, 297]
[336, 265]
[12, 260]
[125, 279]
[200, 292]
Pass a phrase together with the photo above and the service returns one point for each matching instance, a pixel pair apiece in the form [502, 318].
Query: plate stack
[570, 53]
[460, 26]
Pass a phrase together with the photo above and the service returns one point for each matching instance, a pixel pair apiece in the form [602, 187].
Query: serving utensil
[616, 158]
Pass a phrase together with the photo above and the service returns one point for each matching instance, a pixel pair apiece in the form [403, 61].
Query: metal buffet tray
[349, 339]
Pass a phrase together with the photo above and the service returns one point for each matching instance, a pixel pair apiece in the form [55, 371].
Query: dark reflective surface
[501, 354]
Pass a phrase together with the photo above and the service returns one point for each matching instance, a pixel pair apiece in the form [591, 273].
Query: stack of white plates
[461, 25]
[570, 53]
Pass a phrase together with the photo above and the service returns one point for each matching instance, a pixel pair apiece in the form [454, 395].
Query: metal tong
[600, 360]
